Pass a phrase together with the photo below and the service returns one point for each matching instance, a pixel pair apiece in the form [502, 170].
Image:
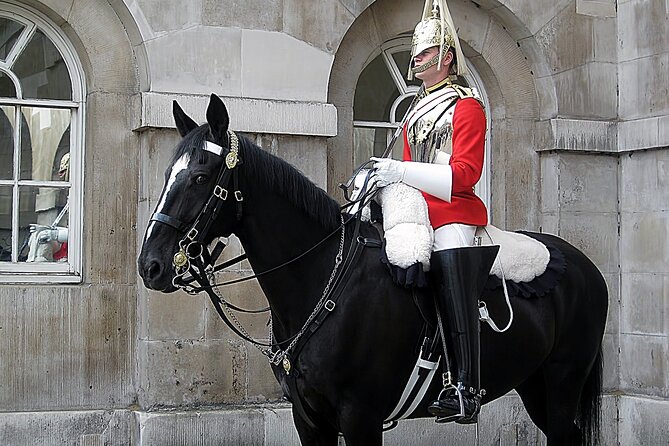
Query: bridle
[191, 245]
[194, 258]
[193, 262]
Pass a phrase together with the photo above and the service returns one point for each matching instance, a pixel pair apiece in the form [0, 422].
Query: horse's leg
[533, 394]
[323, 436]
[361, 429]
[563, 388]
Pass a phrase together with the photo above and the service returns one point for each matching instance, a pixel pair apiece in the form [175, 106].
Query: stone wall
[578, 93]
[67, 352]
[643, 52]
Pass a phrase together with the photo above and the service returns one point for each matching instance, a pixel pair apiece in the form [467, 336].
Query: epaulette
[466, 92]
[463, 92]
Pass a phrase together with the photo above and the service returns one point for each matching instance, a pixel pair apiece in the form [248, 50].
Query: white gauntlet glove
[59, 235]
[387, 171]
[434, 179]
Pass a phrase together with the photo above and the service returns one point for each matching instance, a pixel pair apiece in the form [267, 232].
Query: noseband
[191, 245]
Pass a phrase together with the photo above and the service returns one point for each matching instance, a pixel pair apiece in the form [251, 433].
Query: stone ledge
[582, 135]
[246, 115]
[643, 134]
[596, 8]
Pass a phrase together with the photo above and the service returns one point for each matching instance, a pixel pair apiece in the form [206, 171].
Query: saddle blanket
[409, 238]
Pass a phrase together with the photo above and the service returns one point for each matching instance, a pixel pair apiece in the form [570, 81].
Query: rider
[444, 138]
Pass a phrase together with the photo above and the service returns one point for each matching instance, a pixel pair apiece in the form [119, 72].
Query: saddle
[408, 238]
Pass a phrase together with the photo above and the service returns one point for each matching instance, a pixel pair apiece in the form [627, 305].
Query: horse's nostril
[153, 270]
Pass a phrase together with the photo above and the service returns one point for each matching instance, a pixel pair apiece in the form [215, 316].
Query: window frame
[49, 272]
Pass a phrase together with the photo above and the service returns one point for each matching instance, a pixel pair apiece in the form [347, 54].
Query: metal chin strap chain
[275, 357]
[279, 356]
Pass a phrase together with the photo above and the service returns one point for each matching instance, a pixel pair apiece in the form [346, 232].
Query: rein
[194, 258]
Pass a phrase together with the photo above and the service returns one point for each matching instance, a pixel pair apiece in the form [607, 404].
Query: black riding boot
[459, 276]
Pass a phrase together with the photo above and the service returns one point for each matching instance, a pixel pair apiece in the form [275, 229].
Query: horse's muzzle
[156, 275]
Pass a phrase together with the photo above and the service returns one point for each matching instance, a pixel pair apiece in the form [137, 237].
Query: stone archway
[497, 44]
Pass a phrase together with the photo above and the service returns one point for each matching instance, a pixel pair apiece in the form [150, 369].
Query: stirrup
[458, 392]
[461, 417]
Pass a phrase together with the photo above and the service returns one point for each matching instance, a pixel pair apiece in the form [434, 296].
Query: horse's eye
[201, 179]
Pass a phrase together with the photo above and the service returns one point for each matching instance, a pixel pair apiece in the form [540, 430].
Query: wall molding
[246, 114]
[583, 135]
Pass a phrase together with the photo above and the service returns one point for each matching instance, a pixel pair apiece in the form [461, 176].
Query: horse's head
[190, 182]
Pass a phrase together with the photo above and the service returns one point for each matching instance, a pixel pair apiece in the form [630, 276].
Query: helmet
[435, 29]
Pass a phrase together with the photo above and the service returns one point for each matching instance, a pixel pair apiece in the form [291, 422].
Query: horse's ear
[217, 117]
[184, 123]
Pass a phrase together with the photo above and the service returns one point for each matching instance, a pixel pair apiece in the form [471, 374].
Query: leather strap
[169, 221]
[354, 252]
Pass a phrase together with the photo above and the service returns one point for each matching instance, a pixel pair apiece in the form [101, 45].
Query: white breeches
[454, 235]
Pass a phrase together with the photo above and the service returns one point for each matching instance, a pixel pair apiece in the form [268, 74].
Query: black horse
[354, 367]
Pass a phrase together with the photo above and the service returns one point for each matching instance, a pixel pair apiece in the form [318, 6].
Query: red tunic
[469, 127]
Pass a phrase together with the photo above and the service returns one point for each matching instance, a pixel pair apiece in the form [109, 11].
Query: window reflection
[42, 71]
[7, 118]
[49, 136]
[43, 224]
[37, 116]
[9, 34]
[6, 223]
[7, 88]
[375, 92]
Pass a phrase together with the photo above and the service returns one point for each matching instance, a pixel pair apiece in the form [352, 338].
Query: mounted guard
[444, 146]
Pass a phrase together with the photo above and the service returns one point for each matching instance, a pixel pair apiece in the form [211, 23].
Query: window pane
[42, 237]
[7, 89]
[9, 34]
[402, 108]
[49, 133]
[374, 93]
[368, 142]
[6, 142]
[402, 58]
[42, 71]
[5, 223]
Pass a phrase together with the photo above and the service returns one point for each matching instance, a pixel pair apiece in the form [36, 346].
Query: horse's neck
[275, 232]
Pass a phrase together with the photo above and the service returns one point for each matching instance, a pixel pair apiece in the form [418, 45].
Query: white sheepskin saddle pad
[409, 237]
[520, 258]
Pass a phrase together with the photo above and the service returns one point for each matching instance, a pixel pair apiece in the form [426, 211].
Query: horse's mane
[272, 172]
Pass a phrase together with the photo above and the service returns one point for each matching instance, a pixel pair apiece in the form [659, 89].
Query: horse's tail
[590, 404]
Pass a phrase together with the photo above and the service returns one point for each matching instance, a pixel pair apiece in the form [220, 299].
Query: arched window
[382, 98]
[41, 150]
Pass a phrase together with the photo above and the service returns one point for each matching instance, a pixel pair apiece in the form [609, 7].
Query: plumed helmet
[436, 29]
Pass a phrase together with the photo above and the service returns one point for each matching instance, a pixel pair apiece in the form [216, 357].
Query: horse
[351, 372]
